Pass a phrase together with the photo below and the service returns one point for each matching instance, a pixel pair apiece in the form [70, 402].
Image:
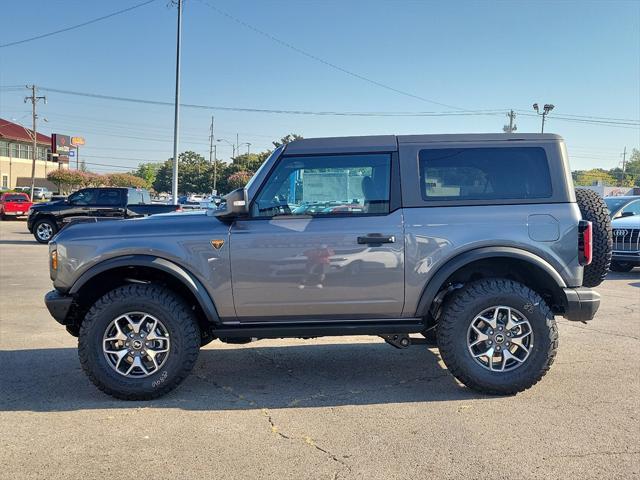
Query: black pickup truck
[46, 219]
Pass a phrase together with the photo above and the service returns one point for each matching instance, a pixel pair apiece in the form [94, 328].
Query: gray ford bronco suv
[474, 241]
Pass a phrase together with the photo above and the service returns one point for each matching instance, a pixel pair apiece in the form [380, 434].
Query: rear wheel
[44, 230]
[621, 266]
[497, 336]
[594, 209]
[138, 342]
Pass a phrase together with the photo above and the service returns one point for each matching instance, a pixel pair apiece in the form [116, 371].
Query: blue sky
[584, 57]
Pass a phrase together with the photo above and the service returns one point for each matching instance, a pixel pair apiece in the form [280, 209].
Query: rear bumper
[581, 304]
[58, 305]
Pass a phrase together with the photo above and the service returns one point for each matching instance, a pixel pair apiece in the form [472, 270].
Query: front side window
[509, 173]
[326, 185]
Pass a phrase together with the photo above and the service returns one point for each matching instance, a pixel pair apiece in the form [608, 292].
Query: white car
[625, 254]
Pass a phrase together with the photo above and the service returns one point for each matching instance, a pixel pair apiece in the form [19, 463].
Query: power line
[278, 111]
[322, 60]
[73, 27]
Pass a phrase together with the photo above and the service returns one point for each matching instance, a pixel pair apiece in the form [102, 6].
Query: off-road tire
[471, 300]
[164, 305]
[621, 266]
[53, 226]
[594, 209]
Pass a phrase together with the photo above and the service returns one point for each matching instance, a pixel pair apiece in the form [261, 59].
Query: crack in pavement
[590, 454]
[595, 330]
[276, 430]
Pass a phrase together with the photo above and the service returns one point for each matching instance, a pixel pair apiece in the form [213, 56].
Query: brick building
[16, 146]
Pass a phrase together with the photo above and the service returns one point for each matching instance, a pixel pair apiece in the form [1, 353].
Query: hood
[154, 226]
[626, 222]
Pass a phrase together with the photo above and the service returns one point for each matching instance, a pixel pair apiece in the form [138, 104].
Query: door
[324, 240]
[109, 203]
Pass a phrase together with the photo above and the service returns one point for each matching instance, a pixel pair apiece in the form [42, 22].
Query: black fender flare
[179, 273]
[435, 284]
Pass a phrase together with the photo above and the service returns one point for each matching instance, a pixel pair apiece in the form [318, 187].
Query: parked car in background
[110, 203]
[623, 206]
[626, 243]
[42, 193]
[14, 205]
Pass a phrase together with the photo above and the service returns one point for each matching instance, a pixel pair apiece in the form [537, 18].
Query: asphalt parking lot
[348, 407]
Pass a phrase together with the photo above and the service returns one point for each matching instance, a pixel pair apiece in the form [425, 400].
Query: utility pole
[624, 165]
[34, 99]
[212, 149]
[176, 119]
[512, 126]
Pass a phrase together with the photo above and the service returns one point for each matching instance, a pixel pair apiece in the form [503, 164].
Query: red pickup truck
[14, 205]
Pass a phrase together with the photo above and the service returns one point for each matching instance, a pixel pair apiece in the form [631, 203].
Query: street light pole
[176, 119]
[545, 111]
[212, 148]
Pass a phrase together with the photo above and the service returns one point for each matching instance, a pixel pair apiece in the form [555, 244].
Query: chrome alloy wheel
[44, 232]
[136, 344]
[500, 339]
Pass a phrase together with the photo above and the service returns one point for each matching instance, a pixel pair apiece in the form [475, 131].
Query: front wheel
[44, 230]
[497, 336]
[138, 342]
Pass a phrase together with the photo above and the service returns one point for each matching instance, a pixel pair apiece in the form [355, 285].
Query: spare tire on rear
[594, 209]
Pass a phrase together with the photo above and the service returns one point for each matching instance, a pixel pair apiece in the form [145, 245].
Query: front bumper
[582, 303]
[59, 306]
[626, 257]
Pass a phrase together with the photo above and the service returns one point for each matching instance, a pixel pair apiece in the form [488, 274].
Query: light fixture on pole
[233, 145]
[545, 111]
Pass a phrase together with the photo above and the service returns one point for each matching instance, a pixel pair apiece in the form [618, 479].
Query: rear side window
[109, 197]
[484, 174]
[135, 197]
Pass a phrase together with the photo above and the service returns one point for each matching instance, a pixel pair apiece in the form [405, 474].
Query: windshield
[614, 204]
[18, 197]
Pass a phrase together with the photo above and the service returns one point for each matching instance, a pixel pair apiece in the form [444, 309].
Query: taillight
[585, 242]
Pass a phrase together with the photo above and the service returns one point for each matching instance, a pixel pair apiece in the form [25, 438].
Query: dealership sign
[61, 145]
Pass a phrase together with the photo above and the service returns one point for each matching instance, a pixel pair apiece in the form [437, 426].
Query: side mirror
[627, 214]
[234, 204]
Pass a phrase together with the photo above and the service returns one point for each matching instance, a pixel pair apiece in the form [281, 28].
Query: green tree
[238, 179]
[124, 180]
[632, 168]
[162, 181]
[288, 139]
[593, 176]
[148, 172]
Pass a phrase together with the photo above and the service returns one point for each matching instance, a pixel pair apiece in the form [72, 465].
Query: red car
[14, 205]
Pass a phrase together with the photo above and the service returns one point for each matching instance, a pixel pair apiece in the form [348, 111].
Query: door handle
[376, 239]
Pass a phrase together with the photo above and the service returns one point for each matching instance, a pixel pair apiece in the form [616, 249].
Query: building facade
[16, 147]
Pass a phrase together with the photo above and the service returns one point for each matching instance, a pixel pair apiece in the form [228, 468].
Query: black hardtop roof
[384, 143]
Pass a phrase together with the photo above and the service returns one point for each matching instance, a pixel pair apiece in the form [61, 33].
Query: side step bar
[320, 329]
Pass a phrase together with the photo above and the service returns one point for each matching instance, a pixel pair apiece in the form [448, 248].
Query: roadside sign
[72, 153]
[76, 141]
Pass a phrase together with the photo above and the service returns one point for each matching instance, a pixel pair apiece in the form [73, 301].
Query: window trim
[395, 194]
